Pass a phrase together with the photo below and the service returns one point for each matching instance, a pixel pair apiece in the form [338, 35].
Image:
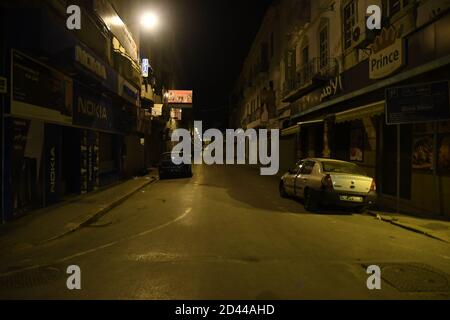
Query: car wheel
[311, 202]
[282, 190]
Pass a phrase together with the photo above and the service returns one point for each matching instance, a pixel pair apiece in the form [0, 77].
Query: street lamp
[149, 21]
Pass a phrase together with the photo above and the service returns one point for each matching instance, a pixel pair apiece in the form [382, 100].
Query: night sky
[214, 38]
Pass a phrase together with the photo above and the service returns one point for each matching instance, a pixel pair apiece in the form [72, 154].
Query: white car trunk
[351, 183]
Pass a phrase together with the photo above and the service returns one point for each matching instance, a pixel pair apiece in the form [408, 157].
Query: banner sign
[92, 109]
[30, 79]
[157, 110]
[52, 164]
[89, 161]
[180, 96]
[88, 62]
[388, 54]
[145, 68]
[418, 103]
[127, 91]
[176, 114]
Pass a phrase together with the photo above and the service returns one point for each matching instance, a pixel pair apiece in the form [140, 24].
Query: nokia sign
[92, 109]
[52, 163]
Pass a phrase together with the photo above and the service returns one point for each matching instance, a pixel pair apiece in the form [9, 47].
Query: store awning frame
[304, 123]
[370, 110]
[290, 131]
[296, 128]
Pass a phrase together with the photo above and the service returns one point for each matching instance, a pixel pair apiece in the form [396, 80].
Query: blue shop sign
[86, 60]
[92, 110]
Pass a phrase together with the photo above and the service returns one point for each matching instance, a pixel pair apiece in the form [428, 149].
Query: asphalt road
[226, 234]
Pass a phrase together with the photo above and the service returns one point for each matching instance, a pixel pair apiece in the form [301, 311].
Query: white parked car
[329, 182]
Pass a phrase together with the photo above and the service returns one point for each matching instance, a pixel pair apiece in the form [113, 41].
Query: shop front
[33, 135]
[403, 144]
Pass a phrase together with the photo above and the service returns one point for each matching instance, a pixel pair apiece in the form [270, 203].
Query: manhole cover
[30, 278]
[408, 277]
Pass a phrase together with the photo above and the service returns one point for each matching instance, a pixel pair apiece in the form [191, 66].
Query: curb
[409, 227]
[98, 214]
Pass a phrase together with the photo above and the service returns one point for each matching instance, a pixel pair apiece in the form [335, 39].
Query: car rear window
[342, 167]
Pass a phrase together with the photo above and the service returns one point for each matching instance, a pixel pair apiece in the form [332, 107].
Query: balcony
[147, 92]
[309, 77]
[262, 68]
[94, 33]
[127, 68]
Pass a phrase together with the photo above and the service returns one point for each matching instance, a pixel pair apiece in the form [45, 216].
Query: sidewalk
[68, 216]
[434, 227]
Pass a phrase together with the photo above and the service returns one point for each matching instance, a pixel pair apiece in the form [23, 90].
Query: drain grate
[414, 277]
[30, 278]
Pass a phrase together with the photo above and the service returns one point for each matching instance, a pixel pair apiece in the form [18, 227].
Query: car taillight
[327, 183]
[373, 187]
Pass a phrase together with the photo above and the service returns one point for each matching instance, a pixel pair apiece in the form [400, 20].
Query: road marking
[83, 253]
[144, 233]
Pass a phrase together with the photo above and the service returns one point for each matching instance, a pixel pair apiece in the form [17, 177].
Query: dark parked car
[167, 167]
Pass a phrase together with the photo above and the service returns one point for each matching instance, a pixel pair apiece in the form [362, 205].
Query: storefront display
[422, 156]
[357, 144]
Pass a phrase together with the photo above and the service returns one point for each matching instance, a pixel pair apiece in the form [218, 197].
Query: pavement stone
[51, 223]
[438, 228]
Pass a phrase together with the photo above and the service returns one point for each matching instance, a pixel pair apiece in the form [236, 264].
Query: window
[394, 6]
[323, 47]
[342, 167]
[297, 167]
[350, 12]
[272, 45]
[305, 56]
[308, 167]
[290, 67]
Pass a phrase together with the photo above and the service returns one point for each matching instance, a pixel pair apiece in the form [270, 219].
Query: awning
[291, 130]
[370, 110]
[304, 123]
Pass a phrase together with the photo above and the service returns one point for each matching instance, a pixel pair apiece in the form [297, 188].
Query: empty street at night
[215, 237]
[223, 159]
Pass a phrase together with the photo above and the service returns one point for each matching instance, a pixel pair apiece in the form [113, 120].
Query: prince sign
[387, 54]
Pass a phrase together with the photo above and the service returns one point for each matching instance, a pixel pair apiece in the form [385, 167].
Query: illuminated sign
[157, 110]
[387, 54]
[145, 67]
[176, 114]
[180, 96]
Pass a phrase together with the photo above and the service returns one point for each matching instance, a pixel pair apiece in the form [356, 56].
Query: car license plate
[351, 198]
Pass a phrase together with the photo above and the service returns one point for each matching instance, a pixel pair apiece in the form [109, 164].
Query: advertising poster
[422, 156]
[89, 160]
[52, 164]
[92, 109]
[30, 79]
[180, 97]
[21, 169]
[357, 145]
[444, 153]
[157, 110]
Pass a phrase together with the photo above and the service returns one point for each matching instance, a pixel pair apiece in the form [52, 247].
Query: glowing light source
[149, 21]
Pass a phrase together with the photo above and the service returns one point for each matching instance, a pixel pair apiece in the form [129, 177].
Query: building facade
[378, 98]
[72, 116]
